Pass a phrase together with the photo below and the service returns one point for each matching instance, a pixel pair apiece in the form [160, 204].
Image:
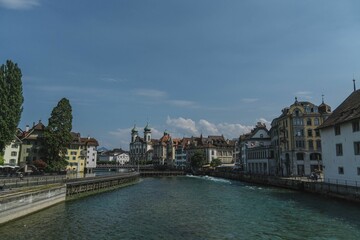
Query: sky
[190, 67]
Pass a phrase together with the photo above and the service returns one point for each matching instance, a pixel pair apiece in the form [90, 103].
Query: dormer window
[261, 135]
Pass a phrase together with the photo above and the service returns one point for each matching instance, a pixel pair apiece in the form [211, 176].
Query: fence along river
[187, 207]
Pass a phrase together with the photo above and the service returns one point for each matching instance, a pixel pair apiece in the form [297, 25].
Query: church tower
[134, 134]
[147, 133]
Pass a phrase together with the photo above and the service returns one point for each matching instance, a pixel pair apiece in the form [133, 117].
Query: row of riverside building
[304, 139]
[26, 150]
[177, 152]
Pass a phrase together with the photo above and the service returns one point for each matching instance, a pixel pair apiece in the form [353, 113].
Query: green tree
[215, 162]
[57, 136]
[2, 160]
[11, 100]
[197, 160]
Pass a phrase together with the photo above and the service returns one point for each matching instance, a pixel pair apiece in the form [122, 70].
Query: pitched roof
[348, 110]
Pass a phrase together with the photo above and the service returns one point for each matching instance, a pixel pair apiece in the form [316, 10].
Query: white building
[256, 153]
[12, 152]
[91, 145]
[340, 137]
[122, 158]
[141, 149]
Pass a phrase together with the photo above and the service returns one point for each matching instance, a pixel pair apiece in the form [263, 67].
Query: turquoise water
[192, 208]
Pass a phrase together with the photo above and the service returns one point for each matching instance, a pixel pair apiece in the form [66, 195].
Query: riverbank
[349, 193]
[18, 202]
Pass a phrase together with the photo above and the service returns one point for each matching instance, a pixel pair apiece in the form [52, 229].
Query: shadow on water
[331, 207]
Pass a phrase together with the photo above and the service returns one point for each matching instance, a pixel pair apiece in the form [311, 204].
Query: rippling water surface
[192, 208]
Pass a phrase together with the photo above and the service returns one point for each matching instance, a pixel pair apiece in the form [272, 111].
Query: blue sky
[188, 67]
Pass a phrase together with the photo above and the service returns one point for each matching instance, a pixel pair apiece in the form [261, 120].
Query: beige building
[296, 138]
[213, 147]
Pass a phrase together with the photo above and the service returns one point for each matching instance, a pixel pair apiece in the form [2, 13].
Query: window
[311, 144]
[73, 158]
[298, 121]
[73, 153]
[13, 154]
[339, 149]
[299, 132]
[14, 145]
[315, 156]
[316, 122]
[337, 130]
[308, 122]
[357, 148]
[300, 144]
[341, 170]
[358, 171]
[261, 135]
[309, 132]
[317, 132]
[355, 126]
[318, 144]
[300, 156]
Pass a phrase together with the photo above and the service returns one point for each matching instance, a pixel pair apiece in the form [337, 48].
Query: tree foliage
[2, 160]
[57, 136]
[40, 164]
[197, 160]
[215, 162]
[11, 100]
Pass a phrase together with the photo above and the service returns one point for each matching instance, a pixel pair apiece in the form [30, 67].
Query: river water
[192, 208]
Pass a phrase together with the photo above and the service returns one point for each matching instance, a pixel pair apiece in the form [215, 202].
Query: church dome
[147, 128]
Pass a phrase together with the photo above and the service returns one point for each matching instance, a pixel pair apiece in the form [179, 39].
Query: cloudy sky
[190, 67]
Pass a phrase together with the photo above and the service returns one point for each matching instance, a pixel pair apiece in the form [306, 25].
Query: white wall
[349, 161]
[91, 156]
[11, 153]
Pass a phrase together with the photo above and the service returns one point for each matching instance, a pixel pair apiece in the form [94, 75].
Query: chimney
[27, 128]
[354, 85]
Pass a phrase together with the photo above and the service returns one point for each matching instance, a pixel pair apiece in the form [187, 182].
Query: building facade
[213, 147]
[256, 152]
[141, 149]
[296, 138]
[12, 152]
[31, 145]
[340, 135]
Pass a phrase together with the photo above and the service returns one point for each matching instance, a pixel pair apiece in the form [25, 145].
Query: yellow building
[76, 155]
[296, 138]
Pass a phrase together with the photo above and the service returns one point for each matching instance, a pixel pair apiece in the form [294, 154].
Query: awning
[8, 166]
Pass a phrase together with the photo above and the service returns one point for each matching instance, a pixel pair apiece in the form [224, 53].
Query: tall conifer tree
[57, 135]
[11, 100]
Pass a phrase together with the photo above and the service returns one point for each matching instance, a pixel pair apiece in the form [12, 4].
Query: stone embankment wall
[84, 187]
[21, 203]
[350, 193]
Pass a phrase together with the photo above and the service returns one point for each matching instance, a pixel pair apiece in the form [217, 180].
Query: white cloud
[267, 123]
[152, 93]
[178, 128]
[188, 127]
[208, 128]
[19, 4]
[233, 130]
[182, 125]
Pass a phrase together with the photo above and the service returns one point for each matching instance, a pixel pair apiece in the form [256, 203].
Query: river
[192, 208]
